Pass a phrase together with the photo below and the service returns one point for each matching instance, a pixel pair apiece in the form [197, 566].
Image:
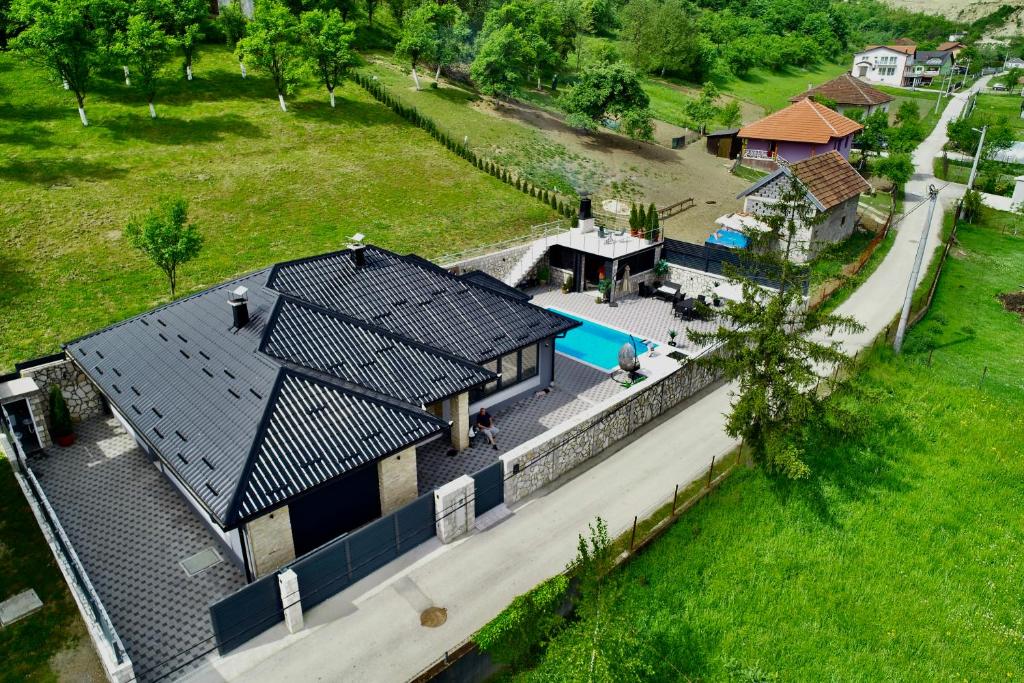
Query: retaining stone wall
[81, 395]
[543, 460]
[498, 264]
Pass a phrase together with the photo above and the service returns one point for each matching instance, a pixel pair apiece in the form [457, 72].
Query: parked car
[999, 87]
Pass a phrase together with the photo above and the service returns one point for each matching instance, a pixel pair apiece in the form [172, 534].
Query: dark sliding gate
[323, 572]
[490, 488]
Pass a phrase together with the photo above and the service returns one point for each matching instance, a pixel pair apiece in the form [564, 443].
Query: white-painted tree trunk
[152, 111]
[81, 115]
[416, 77]
[437, 74]
[280, 98]
[188, 72]
[127, 80]
[538, 82]
[241, 65]
[67, 86]
[331, 92]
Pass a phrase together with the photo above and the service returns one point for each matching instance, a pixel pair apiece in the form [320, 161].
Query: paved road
[371, 631]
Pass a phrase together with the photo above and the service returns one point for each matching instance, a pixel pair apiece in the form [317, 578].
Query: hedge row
[413, 116]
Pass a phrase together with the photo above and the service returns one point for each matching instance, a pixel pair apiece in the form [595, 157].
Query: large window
[514, 367]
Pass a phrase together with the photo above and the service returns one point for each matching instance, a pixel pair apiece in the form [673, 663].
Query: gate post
[455, 506]
[291, 600]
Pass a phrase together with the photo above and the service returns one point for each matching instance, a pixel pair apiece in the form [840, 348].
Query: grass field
[1002, 174]
[263, 186]
[29, 646]
[772, 90]
[998, 106]
[899, 558]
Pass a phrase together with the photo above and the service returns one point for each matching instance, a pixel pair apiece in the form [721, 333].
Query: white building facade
[882, 64]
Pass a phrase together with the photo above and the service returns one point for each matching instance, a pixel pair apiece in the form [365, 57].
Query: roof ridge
[814, 107]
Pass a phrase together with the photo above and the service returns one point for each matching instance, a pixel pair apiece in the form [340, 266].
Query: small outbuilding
[725, 143]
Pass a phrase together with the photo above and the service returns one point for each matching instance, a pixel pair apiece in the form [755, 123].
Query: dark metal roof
[419, 301]
[223, 407]
[482, 279]
[350, 350]
[314, 431]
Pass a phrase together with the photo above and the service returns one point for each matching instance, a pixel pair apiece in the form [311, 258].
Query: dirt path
[641, 171]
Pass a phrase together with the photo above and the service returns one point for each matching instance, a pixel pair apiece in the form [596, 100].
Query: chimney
[239, 303]
[586, 217]
[358, 253]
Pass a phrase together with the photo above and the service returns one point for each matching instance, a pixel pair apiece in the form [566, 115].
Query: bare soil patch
[1013, 302]
[78, 663]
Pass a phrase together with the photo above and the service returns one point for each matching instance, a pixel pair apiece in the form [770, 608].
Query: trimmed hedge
[413, 116]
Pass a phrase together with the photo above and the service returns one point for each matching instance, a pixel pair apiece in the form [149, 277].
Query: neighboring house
[849, 94]
[286, 406]
[833, 188]
[929, 65]
[954, 47]
[1013, 63]
[885, 64]
[801, 130]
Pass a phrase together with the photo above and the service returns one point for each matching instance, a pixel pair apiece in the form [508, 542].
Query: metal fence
[323, 572]
[716, 260]
[489, 488]
[535, 233]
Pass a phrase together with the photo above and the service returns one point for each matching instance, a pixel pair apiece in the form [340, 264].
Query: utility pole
[977, 156]
[901, 330]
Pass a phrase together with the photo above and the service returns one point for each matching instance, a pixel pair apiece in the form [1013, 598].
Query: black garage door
[338, 507]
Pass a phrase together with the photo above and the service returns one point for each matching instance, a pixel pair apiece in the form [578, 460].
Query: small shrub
[518, 634]
[60, 417]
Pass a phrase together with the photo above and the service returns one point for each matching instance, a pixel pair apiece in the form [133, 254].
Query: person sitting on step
[485, 424]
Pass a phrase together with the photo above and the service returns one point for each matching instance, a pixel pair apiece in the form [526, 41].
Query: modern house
[849, 94]
[833, 187]
[886, 64]
[929, 65]
[286, 406]
[802, 130]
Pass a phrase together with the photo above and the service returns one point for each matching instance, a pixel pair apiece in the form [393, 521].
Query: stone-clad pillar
[455, 506]
[396, 480]
[458, 409]
[270, 539]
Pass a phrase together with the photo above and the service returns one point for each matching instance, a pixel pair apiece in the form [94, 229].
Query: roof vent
[239, 303]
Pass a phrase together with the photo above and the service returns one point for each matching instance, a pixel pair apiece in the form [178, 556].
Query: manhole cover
[432, 617]
[201, 561]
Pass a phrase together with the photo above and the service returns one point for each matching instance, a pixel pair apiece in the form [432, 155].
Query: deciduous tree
[327, 44]
[416, 41]
[451, 33]
[702, 110]
[183, 20]
[59, 38]
[271, 44]
[730, 114]
[233, 23]
[772, 345]
[609, 91]
[166, 237]
[503, 61]
[145, 48]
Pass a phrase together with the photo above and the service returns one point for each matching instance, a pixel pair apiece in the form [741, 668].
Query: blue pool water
[725, 237]
[595, 344]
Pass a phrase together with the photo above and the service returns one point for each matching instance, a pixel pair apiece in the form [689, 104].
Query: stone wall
[396, 477]
[499, 264]
[547, 457]
[455, 507]
[83, 399]
[270, 540]
[695, 282]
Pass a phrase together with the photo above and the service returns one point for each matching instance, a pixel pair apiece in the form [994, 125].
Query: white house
[885, 64]
[1013, 63]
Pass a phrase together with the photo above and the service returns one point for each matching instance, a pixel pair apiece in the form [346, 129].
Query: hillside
[965, 10]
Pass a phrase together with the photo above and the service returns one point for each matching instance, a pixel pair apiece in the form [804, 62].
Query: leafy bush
[517, 635]
[60, 417]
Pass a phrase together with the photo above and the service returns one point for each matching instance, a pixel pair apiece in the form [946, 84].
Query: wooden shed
[725, 143]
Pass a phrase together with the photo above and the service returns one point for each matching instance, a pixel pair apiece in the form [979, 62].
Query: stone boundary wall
[83, 399]
[497, 264]
[543, 459]
[695, 282]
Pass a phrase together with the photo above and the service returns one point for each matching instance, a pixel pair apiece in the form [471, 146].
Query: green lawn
[772, 90]
[28, 645]
[899, 558]
[993, 176]
[667, 103]
[263, 186]
[996, 106]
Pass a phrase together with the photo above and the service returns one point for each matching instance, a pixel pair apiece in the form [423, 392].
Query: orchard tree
[371, 7]
[60, 38]
[897, 168]
[609, 91]
[416, 41]
[701, 110]
[541, 26]
[874, 136]
[730, 115]
[233, 22]
[503, 60]
[271, 44]
[398, 8]
[110, 18]
[662, 37]
[145, 47]
[451, 33]
[327, 44]
[182, 19]
[166, 237]
[771, 342]
[10, 24]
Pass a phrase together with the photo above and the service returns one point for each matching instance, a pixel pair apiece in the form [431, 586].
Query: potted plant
[672, 337]
[567, 284]
[60, 418]
[660, 271]
[605, 287]
[543, 275]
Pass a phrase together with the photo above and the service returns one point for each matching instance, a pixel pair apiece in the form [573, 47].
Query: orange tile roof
[804, 121]
[904, 41]
[830, 178]
[950, 45]
[846, 89]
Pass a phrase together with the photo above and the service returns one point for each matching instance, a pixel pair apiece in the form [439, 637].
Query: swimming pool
[596, 344]
[727, 237]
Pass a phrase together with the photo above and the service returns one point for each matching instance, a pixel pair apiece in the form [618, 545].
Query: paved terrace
[131, 528]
